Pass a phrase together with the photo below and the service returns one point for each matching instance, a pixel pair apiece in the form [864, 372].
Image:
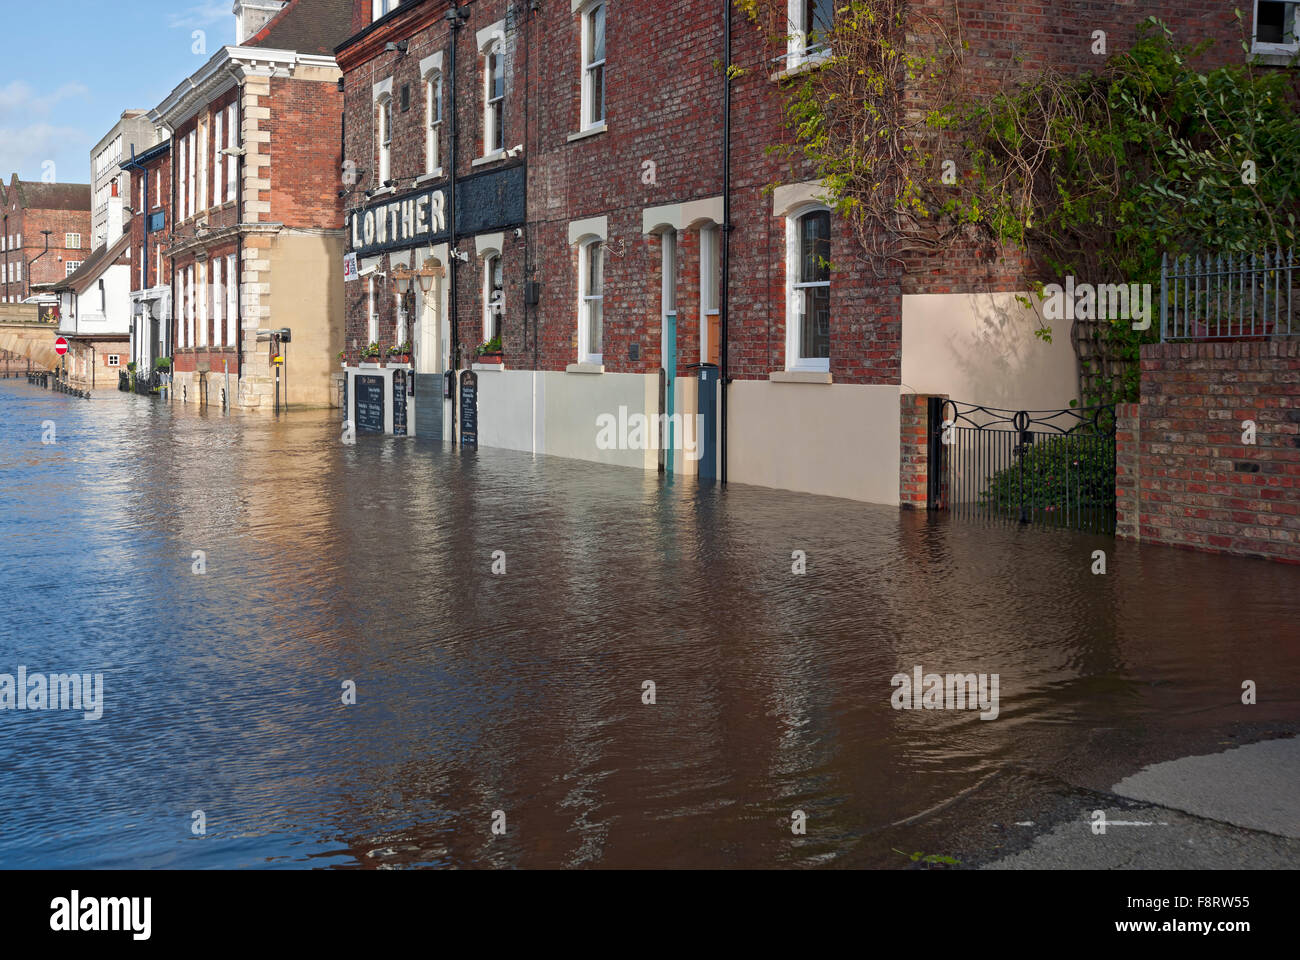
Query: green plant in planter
[131, 367]
[162, 363]
[489, 346]
[400, 349]
[372, 352]
[1058, 473]
[342, 355]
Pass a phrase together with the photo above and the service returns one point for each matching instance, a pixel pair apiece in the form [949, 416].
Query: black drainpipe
[725, 375]
[456, 18]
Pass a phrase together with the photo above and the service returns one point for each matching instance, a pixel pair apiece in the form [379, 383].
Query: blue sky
[72, 66]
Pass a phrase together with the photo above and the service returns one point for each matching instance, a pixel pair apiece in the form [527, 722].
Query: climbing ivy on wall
[1093, 175]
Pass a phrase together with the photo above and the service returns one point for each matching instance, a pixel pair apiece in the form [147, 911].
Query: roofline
[157, 150]
[377, 25]
[98, 270]
[207, 82]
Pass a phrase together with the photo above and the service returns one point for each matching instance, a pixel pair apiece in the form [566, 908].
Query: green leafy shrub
[1057, 474]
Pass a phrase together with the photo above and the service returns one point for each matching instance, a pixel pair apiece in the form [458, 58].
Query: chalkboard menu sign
[469, 409]
[370, 404]
[399, 403]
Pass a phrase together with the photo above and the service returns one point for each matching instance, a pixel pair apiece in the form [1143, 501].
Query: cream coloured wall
[306, 295]
[838, 440]
[981, 348]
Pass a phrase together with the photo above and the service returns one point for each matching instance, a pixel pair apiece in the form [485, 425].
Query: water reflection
[523, 693]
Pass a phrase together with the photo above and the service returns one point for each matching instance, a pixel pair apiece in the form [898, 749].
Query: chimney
[115, 212]
[252, 15]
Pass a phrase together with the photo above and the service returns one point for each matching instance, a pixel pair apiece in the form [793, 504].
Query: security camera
[516, 150]
[398, 47]
[233, 151]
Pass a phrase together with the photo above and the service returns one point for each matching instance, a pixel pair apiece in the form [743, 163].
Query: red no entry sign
[61, 346]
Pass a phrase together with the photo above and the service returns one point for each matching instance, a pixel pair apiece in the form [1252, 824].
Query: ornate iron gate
[1052, 467]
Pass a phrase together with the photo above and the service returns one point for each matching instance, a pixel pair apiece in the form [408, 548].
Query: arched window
[808, 341]
[591, 302]
[494, 298]
[384, 134]
[433, 118]
[494, 116]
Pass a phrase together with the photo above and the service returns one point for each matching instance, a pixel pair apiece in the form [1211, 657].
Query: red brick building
[559, 178]
[256, 241]
[29, 209]
[149, 184]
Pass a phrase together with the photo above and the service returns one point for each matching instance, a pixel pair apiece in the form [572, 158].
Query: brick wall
[1184, 475]
[663, 105]
[1009, 39]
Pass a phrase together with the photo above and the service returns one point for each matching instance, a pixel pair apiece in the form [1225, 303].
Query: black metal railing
[1228, 297]
[1052, 467]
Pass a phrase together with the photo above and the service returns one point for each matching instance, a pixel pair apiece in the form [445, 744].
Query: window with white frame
[143, 264]
[218, 302]
[202, 307]
[384, 132]
[70, 267]
[232, 143]
[373, 316]
[1275, 27]
[232, 299]
[72, 241]
[157, 187]
[193, 307]
[380, 7]
[180, 179]
[710, 294]
[494, 297]
[193, 172]
[157, 264]
[593, 66]
[591, 301]
[494, 99]
[810, 26]
[113, 360]
[219, 167]
[433, 119]
[808, 318]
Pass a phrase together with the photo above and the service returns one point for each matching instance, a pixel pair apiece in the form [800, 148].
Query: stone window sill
[585, 368]
[589, 132]
[806, 65]
[800, 376]
[499, 367]
[434, 174]
[1272, 58]
[492, 157]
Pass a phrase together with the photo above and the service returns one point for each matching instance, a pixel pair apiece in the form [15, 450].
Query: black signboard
[469, 409]
[492, 200]
[399, 403]
[369, 415]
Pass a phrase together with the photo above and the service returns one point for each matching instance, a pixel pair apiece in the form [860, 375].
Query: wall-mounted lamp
[402, 278]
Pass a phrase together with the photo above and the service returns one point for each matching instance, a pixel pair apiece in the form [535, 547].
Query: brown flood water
[522, 692]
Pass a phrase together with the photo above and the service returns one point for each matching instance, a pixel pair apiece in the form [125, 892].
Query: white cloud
[26, 149]
[200, 15]
[19, 98]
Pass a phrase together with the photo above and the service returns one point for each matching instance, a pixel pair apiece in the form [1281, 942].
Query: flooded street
[522, 691]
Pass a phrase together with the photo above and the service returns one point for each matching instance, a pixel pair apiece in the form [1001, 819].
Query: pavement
[1239, 809]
